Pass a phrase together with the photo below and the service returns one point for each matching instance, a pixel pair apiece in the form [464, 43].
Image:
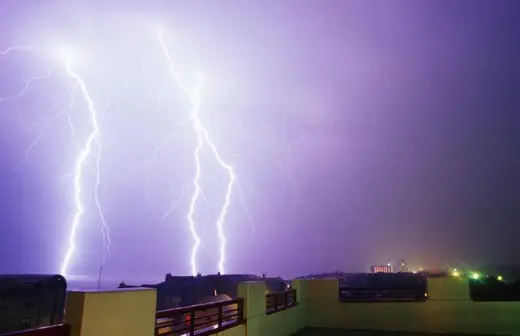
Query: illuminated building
[381, 269]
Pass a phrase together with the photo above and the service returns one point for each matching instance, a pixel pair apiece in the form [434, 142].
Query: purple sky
[360, 132]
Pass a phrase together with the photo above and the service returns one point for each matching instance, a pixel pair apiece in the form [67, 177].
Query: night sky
[360, 132]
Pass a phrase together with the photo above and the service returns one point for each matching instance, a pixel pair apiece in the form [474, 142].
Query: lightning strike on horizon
[81, 160]
[82, 157]
[202, 139]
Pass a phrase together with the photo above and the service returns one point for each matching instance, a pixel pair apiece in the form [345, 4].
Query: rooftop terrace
[312, 307]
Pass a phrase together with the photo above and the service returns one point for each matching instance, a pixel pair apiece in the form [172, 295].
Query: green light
[475, 276]
[500, 278]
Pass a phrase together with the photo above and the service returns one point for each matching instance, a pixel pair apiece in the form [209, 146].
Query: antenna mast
[99, 278]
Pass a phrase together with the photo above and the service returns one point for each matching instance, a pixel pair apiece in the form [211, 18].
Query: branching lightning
[83, 156]
[29, 82]
[89, 155]
[105, 230]
[15, 48]
[79, 169]
[203, 138]
[26, 87]
[65, 110]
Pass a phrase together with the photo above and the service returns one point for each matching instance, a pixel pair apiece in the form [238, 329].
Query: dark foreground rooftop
[343, 332]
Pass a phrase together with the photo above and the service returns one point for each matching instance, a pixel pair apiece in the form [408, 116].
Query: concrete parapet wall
[282, 323]
[126, 312]
[448, 310]
[131, 312]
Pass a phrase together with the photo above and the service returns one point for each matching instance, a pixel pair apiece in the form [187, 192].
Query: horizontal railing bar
[375, 300]
[198, 307]
[223, 328]
[202, 331]
[200, 315]
[171, 321]
[279, 301]
[201, 319]
[56, 330]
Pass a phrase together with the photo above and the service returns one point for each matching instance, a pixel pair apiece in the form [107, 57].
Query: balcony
[313, 307]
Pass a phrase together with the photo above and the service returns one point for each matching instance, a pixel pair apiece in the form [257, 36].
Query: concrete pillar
[302, 299]
[320, 297]
[448, 288]
[299, 285]
[254, 304]
[129, 312]
[322, 290]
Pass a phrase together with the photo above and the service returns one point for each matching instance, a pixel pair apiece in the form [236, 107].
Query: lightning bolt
[105, 230]
[85, 153]
[203, 138]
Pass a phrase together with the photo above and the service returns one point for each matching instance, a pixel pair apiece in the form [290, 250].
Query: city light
[500, 278]
[455, 273]
[475, 276]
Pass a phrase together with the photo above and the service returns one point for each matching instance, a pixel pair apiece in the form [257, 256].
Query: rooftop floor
[340, 332]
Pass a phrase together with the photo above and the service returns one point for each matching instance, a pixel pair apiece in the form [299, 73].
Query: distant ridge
[508, 271]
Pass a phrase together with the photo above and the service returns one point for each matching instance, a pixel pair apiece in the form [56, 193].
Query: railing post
[192, 324]
[66, 330]
[240, 310]
[219, 317]
[286, 299]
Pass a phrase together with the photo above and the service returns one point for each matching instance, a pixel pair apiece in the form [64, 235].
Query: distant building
[31, 301]
[181, 291]
[381, 269]
[403, 267]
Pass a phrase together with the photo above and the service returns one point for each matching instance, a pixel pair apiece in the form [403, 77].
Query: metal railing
[279, 301]
[383, 287]
[57, 330]
[382, 295]
[200, 320]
